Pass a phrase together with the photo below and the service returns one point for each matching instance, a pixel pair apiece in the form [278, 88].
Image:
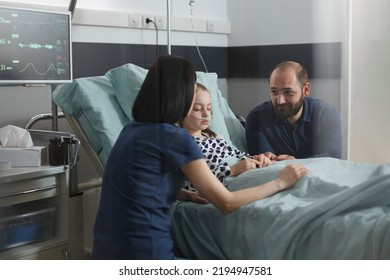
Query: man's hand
[284, 157]
[274, 157]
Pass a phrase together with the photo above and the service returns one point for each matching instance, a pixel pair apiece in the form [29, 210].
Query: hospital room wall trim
[92, 59]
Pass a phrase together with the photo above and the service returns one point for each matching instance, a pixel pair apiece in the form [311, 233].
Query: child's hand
[187, 195]
[196, 197]
[263, 159]
[243, 165]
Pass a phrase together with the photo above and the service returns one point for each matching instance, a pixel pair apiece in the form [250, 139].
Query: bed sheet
[341, 210]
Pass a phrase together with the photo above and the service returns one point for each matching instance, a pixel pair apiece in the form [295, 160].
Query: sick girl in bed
[148, 164]
[223, 160]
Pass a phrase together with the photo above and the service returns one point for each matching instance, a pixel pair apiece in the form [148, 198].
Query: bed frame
[341, 210]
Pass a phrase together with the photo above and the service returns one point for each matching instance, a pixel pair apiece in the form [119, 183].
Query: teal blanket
[341, 210]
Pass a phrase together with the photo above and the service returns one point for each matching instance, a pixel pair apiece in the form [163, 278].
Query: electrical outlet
[147, 25]
[134, 20]
[160, 22]
[210, 26]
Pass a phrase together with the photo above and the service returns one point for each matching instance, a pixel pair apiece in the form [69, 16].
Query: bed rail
[95, 159]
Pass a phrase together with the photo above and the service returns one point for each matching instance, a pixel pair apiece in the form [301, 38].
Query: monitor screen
[35, 46]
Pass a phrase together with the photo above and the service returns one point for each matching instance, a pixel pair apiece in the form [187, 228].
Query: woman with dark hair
[148, 165]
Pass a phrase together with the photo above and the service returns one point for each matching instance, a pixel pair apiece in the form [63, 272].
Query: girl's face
[200, 116]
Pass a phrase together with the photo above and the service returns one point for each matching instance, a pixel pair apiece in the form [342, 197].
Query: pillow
[127, 79]
[233, 125]
[93, 103]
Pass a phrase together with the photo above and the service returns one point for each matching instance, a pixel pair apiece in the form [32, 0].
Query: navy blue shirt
[141, 180]
[317, 133]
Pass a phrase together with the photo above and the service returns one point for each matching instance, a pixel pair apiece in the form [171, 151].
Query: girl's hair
[207, 132]
[167, 92]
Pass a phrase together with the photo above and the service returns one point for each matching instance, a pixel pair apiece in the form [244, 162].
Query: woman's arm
[211, 188]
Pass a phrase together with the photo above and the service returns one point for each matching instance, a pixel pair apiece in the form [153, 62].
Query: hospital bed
[341, 210]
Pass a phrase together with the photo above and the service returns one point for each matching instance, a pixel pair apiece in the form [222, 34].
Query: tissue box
[34, 156]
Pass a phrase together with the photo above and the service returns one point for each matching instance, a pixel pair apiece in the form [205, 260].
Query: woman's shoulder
[157, 130]
[155, 126]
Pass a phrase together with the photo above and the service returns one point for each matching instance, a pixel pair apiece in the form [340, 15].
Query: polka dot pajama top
[218, 155]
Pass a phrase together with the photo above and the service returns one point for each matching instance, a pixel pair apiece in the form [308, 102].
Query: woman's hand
[290, 175]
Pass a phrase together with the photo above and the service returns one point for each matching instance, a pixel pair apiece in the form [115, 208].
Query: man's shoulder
[317, 104]
[320, 109]
[260, 115]
[262, 108]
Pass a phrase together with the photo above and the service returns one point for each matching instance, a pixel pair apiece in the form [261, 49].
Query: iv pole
[54, 108]
[169, 26]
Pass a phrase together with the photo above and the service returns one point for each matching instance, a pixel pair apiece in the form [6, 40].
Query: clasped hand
[249, 163]
[274, 157]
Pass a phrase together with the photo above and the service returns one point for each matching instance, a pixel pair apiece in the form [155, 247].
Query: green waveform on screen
[51, 67]
[36, 46]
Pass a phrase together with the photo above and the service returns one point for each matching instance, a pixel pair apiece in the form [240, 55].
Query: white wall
[363, 28]
[32, 101]
[280, 22]
[369, 78]
[262, 22]
[202, 10]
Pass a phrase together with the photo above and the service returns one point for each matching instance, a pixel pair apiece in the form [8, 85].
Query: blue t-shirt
[317, 134]
[141, 180]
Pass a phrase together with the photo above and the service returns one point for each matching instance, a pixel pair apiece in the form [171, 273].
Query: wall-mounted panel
[94, 59]
[322, 60]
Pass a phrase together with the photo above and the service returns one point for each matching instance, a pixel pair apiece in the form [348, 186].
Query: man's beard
[286, 110]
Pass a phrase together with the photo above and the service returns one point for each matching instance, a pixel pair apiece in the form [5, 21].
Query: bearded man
[292, 125]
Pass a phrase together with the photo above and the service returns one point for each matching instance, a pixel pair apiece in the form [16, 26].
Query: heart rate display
[35, 46]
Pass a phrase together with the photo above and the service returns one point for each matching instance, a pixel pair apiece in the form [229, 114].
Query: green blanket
[341, 210]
